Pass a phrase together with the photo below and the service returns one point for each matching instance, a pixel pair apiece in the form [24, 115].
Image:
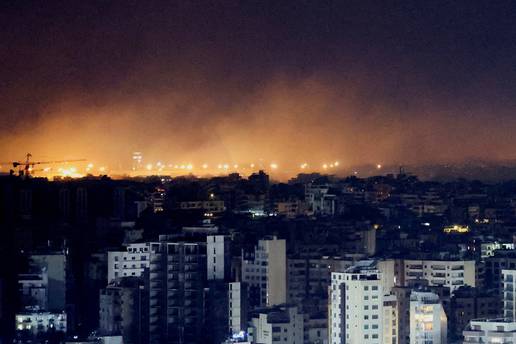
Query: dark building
[124, 310]
[403, 298]
[470, 303]
[502, 259]
[177, 281]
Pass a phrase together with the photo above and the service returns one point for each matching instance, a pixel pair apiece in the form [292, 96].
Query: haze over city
[257, 172]
[193, 82]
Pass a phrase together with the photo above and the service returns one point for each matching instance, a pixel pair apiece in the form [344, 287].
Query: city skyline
[257, 172]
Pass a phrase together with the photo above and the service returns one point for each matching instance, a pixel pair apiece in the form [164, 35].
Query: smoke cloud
[238, 83]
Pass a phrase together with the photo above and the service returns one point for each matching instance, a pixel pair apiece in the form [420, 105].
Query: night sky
[289, 81]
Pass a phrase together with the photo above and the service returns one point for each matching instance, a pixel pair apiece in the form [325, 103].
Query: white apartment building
[265, 271]
[218, 257]
[277, 325]
[237, 308]
[509, 293]
[131, 262]
[428, 321]
[499, 331]
[356, 306]
[449, 273]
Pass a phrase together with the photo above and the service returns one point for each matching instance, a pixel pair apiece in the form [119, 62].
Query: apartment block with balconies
[177, 278]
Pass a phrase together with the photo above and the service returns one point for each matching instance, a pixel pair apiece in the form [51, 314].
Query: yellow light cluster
[456, 229]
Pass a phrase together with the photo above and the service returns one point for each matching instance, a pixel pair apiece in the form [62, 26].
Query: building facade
[265, 271]
[177, 280]
[449, 273]
[428, 321]
[129, 263]
[356, 307]
[218, 251]
[276, 325]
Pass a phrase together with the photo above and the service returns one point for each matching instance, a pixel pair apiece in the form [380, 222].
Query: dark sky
[360, 81]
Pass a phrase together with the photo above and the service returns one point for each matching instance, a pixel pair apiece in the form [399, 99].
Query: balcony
[457, 267]
[191, 259]
[192, 278]
[156, 258]
[414, 267]
[438, 267]
[172, 259]
[439, 274]
[191, 267]
[415, 274]
[172, 285]
[173, 293]
[173, 268]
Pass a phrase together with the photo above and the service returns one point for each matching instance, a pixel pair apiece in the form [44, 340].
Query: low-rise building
[211, 206]
[281, 324]
[265, 271]
[34, 322]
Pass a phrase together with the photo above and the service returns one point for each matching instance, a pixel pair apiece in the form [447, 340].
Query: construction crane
[27, 167]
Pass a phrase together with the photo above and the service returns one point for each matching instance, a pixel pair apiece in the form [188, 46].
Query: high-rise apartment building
[218, 251]
[308, 281]
[237, 297]
[264, 270]
[177, 280]
[428, 321]
[54, 264]
[509, 294]
[356, 305]
[123, 310]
